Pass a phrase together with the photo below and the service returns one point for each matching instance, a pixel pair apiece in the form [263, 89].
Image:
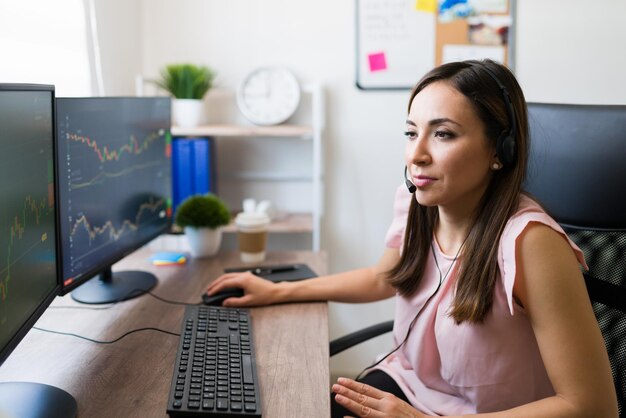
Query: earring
[496, 166]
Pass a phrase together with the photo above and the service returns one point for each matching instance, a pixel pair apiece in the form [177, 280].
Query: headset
[412, 188]
[506, 144]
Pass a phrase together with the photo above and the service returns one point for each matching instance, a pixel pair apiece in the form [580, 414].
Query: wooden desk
[131, 378]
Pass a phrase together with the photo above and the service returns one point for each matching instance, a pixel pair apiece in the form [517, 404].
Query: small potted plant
[188, 84]
[201, 217]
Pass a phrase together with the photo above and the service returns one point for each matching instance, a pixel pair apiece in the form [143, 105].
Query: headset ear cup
[505, 149]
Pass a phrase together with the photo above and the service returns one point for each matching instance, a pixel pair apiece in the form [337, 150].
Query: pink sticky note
[377, 61]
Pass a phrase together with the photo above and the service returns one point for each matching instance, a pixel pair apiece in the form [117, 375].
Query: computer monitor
[114, 157]
[28, 240]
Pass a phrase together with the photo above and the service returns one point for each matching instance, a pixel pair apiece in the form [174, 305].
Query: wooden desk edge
[292, 356]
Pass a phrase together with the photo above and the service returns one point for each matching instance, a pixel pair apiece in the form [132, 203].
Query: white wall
[118, 25]
[572, 51]
[567, 50]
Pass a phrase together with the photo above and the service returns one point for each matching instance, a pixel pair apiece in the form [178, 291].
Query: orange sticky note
[429, 6]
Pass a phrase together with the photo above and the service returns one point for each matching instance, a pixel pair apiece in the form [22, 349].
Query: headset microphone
[412, 188]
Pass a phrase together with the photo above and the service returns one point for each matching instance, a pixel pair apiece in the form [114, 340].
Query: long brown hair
[478, 269]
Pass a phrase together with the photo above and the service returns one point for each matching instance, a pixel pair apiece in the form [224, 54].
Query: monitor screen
[28, 269]
[28, 239]
[114, 190]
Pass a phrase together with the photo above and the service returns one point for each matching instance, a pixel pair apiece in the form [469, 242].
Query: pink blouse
[450, 369]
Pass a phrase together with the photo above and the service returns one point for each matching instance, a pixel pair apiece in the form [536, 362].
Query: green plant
[202, 211]
[186, 81]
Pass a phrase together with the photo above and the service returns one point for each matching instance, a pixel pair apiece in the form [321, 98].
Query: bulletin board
[398, 41]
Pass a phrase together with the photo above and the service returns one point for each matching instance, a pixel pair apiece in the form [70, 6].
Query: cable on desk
[84, 307]
[173, 302]
[123, 298]
[112, 304]
[107, 342]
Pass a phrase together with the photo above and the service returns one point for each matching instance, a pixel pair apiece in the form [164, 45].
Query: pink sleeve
[395, 233]
[508, 243]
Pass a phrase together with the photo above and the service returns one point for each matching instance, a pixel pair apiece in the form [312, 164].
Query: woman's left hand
[367, 401]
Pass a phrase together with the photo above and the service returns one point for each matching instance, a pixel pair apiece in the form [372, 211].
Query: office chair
[577, 171]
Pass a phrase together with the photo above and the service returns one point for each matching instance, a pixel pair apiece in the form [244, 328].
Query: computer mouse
[218, 298]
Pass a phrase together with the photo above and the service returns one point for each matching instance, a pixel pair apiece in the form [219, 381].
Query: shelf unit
[312, 131]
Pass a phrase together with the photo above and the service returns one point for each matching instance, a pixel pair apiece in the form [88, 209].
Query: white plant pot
[187, 113]
[203, 242]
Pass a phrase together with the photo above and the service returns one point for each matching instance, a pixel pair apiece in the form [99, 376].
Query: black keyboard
[215, 371]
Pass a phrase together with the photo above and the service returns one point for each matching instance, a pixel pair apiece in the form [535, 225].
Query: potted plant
[188, 84]
[201, 217]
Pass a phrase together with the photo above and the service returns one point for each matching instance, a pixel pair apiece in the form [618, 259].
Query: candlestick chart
[114, 180]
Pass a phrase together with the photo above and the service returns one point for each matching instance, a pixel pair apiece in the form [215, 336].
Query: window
[43, 41]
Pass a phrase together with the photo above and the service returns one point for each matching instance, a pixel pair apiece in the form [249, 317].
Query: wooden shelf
[300, 131]
[289, 224]
[308, 127]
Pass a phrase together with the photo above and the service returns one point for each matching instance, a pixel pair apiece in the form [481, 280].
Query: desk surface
[132, 377]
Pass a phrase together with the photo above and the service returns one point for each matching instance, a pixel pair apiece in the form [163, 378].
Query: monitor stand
[114, 287]
[35, 400]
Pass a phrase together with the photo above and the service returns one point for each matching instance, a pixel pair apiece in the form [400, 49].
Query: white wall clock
[268, 95]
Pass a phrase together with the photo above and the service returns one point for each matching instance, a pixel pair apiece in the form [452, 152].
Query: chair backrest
[577, 171]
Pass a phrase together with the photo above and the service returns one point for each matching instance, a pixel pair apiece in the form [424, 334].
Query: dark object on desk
[276, 273]
[215, 371]
[218, 298]
[26, 399]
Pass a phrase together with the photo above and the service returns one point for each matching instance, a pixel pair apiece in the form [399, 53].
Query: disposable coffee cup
[252, 235]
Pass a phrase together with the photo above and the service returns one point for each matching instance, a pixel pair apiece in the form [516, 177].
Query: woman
[492, 315]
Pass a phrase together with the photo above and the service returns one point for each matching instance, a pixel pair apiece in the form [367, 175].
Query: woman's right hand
[257, 291]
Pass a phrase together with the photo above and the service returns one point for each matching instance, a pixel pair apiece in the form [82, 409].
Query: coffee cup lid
[252, 219]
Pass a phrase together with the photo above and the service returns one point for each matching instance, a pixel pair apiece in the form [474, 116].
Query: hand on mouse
[257, 291]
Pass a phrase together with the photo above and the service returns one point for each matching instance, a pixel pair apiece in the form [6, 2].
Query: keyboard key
[246, 361]
[222, 404]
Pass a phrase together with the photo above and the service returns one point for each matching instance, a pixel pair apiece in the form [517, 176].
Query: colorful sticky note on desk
[168, 258]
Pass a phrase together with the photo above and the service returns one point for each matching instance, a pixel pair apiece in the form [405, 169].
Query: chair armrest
[606, 293]
[343, 343]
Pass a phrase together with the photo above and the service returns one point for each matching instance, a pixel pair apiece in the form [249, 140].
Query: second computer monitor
[114, 190]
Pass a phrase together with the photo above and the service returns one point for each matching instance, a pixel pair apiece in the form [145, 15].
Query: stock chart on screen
[27, 217]
[114, 178]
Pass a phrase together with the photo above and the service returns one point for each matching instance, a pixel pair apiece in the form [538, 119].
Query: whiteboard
[398, 41]
[395, 44]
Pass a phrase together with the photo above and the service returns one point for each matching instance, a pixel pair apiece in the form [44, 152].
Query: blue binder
[192, 168]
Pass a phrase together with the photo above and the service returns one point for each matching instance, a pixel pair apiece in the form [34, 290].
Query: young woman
[492, 315]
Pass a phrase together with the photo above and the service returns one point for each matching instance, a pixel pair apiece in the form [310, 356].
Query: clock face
[269, 96]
